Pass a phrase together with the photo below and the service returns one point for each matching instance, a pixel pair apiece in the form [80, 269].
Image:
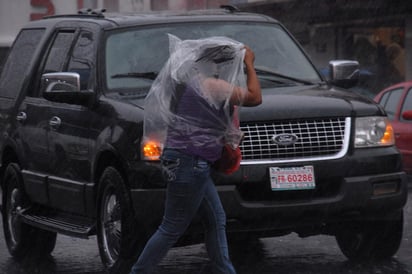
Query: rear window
[18, 62]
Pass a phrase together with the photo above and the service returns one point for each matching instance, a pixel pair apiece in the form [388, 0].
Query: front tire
[22, 239]
[373, 240]
[116, 229]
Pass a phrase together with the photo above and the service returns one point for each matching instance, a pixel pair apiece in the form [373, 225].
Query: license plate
[292, 178]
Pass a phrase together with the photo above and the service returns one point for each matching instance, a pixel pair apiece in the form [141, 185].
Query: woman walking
[194, 96]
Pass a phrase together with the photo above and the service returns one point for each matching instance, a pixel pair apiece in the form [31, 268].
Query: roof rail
[230, 8]
[97, 12]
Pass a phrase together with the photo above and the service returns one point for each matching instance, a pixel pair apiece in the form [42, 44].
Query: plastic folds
[188, 106]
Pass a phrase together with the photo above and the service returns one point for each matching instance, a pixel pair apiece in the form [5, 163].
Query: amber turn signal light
[151, 151]
[388, 137]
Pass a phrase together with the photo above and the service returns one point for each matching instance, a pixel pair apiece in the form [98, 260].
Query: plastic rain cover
[189, 101]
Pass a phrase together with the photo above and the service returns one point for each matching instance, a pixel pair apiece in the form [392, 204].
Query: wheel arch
[108, 157]
[9, 156]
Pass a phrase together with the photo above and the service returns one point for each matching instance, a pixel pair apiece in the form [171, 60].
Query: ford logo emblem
[285, 139]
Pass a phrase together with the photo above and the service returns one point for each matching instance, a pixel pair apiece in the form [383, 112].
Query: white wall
[134, 5]
[14, 14]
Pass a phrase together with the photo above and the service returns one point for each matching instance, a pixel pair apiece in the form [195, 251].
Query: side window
[57, 57]
[3, 55]
[390, 102]
[407, 104]
[82, 58]
[18, 62]
[384, 98]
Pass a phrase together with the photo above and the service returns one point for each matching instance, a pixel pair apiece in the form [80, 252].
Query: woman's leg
[185, 192]
[214, 217]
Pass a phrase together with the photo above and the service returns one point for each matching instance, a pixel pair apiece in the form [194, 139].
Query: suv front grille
[310, 139]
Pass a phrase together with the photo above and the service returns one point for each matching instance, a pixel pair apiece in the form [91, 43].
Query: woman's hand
[252, 96]
[249, 57]
[220, 89]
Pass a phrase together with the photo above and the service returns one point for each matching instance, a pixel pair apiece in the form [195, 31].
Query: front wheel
[22, 239]
[373, 240]
[116, 229]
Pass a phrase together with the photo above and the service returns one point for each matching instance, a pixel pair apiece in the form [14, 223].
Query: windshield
[135, 56]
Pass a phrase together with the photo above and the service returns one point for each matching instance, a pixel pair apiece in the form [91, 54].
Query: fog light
[385, 188]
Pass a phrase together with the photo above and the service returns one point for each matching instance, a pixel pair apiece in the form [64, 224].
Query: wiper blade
[133, 95]
[263, 70]
[149, 75]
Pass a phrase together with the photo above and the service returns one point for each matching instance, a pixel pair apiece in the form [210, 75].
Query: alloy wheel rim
[111, 226]
[12, 216]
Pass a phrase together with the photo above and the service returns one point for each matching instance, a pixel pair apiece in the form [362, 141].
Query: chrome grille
[321, 138]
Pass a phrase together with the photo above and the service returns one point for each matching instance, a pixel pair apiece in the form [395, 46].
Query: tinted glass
[391, 102]
[58, 52]
[82, 58]
[18, 63]
[407, 104]
[3, 54]
[147, 49]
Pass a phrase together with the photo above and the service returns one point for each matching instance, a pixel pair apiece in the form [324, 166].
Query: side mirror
[344, 73]
[64, 87]
[407, 115]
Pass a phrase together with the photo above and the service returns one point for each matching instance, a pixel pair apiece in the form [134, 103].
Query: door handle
[21, 116]
[55, 122]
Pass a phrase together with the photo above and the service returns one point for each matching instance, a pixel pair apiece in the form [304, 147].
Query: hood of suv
[315, 101]
[299, 102]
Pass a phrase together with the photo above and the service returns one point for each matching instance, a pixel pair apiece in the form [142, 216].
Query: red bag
[229, 162]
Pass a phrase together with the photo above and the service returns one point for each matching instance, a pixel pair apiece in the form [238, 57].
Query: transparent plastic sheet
[189, 101]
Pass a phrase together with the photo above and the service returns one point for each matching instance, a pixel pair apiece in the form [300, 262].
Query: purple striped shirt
[200, 132]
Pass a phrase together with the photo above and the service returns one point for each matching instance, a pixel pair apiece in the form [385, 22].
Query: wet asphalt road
[282, 255]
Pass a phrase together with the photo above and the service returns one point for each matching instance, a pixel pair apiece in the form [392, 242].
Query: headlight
[373, 131]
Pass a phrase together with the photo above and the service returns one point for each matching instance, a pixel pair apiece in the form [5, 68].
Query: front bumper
[364, 185]
[356, 200]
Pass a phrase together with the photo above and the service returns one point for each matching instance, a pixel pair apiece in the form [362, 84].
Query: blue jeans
[190, 191]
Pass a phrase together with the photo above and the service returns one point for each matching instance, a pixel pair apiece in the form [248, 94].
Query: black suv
[316, 158]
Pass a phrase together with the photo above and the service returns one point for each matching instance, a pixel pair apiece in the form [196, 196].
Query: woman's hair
[217, 54]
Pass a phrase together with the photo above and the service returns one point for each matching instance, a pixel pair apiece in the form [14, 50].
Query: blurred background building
[377, 33]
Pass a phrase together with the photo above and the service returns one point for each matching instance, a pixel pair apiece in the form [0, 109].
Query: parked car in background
[397, 102]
